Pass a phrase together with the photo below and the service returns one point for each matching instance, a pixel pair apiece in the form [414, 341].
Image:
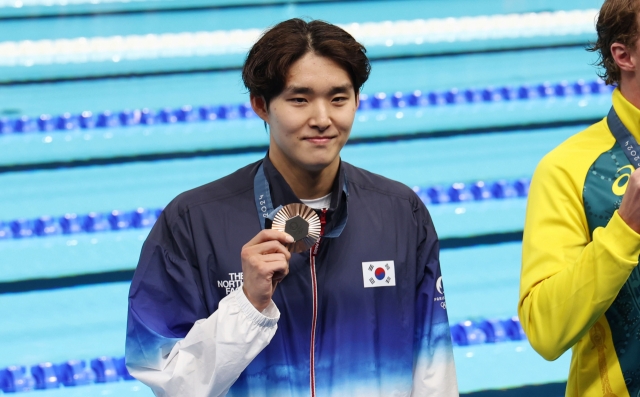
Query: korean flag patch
[379, 274]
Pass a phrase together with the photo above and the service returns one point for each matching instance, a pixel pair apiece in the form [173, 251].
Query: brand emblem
[620, 185]
[379, 274]
[233, 283]
[439, 286]
[440, 289]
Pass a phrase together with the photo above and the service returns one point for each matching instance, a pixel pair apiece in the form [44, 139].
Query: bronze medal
[299, 221]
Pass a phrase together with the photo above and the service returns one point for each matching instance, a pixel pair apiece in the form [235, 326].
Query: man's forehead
[317, 73]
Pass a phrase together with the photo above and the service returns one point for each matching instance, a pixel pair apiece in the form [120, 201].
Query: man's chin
[316, 165]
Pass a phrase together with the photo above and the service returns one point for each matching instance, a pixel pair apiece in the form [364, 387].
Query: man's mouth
[319, 139]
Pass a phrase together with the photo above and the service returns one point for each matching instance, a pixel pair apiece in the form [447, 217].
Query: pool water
[64, 297]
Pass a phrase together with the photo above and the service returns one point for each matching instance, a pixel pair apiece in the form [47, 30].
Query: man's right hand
[265, 262]
[630, 207]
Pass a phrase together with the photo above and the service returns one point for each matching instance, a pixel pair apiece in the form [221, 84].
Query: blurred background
[110, 108]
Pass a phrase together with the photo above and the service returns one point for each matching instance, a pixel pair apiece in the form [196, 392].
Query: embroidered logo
[378, 274]
[234, 282]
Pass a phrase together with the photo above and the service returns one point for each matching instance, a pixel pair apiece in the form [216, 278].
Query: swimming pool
[64, 305]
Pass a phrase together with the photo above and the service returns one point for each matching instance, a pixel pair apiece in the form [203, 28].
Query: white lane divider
[51, 3]
[223, 42]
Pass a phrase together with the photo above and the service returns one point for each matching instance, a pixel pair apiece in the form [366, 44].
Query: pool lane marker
[143, 218]
[105, 369]
[379, 101]
[114, 49]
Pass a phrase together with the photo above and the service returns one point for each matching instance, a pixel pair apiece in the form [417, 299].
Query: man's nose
[321, 118]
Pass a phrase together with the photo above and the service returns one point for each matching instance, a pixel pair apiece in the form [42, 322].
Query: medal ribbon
[627, 142]
[263, 197]
[265, 205]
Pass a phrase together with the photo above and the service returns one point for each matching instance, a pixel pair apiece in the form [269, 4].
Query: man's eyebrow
[293, 89]
[341, 89]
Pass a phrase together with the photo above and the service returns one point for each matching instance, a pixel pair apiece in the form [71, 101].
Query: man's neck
[307, 184]
[630, 90]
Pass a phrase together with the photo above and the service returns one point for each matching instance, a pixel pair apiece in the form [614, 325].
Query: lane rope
[142, 218]
[239, 41]
[104, 369]
[378, 101]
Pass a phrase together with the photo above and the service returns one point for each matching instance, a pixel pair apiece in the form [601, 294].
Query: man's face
[310, 121]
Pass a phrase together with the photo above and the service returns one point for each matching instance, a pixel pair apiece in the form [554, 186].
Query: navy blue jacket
[386, 338]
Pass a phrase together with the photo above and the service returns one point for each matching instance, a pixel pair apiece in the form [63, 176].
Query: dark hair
[267, 65]
[617, 23]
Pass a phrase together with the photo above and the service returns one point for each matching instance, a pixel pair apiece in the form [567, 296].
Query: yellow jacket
[580, 286]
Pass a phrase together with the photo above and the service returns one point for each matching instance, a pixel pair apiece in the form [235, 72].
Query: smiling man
[219, 305]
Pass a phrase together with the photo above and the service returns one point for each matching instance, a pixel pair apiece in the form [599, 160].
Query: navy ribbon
[263, 197]
[265, 208]
[625, 139]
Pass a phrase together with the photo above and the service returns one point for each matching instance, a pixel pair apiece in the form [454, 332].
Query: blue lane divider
[145, 218]
[455, 96]
[381, 100]
[478, 191]
[109, 369]
[69, 373]
[482, 331]
[72, 223]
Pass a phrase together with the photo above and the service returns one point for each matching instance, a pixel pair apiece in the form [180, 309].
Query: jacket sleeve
[569, 278]
[173, 344]
[434, 371]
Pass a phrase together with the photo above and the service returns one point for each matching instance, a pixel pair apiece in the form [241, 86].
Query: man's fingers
[629, 209]
[276, 265]
[267, 247]
[273, 264]
[279, 276]
[274, 258]
[270, 235]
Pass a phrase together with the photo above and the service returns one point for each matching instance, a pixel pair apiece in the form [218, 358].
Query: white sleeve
[214, 353]
[434, 372]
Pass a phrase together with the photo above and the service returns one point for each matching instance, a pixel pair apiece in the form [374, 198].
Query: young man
[580, 286]
[218, 304]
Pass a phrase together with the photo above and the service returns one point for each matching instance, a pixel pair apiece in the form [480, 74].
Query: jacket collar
[628, 113]
[281, 194]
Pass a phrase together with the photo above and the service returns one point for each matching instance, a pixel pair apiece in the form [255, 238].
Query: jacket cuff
[268, 318]
[621, 240]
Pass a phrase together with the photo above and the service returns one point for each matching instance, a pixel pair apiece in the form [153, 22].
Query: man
[580, 286]
[219, 305]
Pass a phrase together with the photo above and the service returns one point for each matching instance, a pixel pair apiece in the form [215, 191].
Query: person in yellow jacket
[580, 283]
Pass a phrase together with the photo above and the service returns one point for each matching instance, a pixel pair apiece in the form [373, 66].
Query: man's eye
[340, 99]
[298, 100]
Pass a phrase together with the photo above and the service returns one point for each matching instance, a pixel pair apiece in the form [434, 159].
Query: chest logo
[234, 282]
[379, 274]
[620, 185]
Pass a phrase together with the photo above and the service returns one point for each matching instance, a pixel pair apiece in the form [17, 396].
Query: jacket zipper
[314, 284]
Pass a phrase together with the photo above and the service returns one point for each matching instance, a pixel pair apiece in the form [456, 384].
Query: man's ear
[623, 57]
[357, 99]
[259, 105]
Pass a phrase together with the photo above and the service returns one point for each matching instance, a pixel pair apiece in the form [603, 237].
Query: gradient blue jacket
[364, 316]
